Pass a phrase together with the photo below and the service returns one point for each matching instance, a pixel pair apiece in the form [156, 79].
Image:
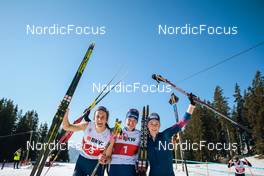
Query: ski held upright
[57, 119]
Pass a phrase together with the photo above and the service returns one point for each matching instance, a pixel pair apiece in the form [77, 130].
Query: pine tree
[201, 129]
[42, 132]
[254, 111]
[239, 116]
[27, 123]
[223, 126]
[8, 117]
[194, 133]
[209, 125]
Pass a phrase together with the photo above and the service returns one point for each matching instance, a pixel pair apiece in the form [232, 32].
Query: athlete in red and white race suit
[239, 165]
[95, 138]
[125, 150]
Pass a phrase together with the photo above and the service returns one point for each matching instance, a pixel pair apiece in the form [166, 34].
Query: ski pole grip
[154, 77]
[174, 99]
[157, 78]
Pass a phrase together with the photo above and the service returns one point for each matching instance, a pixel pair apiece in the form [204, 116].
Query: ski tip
[92, 45]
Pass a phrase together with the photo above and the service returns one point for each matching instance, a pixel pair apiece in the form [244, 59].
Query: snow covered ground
[221, 169]
[66, 169]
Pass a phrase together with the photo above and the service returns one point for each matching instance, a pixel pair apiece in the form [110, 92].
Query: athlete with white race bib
[95, 138]
[125, 150]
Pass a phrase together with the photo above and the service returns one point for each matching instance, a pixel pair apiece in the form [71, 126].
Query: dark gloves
[190, 96]
[174, 99]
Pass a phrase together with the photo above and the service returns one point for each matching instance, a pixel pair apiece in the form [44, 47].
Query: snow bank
[66, 169]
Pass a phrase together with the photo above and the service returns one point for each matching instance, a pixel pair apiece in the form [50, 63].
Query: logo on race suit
[125, 137]
[94, 141]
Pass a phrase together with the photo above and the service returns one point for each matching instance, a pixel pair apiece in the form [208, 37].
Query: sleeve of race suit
[246, 162]
[169, 132]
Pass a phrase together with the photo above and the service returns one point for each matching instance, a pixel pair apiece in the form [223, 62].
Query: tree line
[247, 110]
[18, 128]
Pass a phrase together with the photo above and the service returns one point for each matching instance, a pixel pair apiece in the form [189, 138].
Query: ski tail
[141, 164]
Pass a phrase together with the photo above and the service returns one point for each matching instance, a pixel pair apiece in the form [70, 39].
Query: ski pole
[159, 79]
[248, 167]
[117, 130]
[173, 101]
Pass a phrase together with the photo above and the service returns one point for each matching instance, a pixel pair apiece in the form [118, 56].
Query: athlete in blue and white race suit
[125, 149]
[160, 159]
[95, 138]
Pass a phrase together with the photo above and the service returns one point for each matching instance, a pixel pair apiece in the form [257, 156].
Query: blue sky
[37, 70]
